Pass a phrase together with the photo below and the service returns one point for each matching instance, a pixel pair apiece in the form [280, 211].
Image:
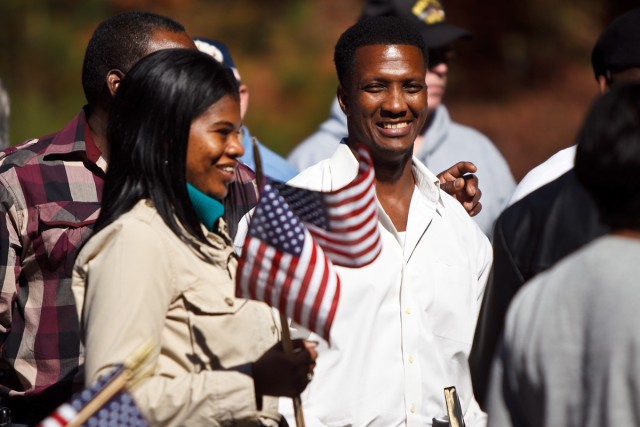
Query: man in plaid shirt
[50, 194]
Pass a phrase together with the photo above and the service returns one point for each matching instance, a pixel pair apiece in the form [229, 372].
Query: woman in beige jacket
[161, 264]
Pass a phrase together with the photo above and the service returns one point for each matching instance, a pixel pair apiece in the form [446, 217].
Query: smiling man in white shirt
[404, 325]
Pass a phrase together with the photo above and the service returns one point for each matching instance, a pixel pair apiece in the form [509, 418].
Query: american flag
[296, 236]
[118, 410]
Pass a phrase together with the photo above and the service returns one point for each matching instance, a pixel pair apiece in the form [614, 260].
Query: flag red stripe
[255, 270]
[59, 418]
[315, 308]
[310, 268]
[275, 267]
[284, 292]
[354, 259]
[338, 234]
[332, 311]
[351, 211]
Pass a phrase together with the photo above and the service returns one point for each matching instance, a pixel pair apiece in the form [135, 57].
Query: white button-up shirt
[404, 325]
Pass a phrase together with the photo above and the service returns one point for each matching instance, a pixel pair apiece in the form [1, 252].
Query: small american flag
[296, 236]
[119, 410]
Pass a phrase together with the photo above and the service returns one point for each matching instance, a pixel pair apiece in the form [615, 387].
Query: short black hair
[119, 42]
[383, 30]
[608, 156]
[148, 133]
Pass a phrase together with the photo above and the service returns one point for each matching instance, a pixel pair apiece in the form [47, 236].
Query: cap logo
[428, 11]
[210, 49]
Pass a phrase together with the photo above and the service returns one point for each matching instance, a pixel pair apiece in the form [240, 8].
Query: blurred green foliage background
[525, 80]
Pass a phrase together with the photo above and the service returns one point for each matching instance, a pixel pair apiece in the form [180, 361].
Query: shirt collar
[344, 161]
[427, 182]
[75, 139]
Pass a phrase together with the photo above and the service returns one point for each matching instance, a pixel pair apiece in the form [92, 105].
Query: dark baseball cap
[219, 51]
[618, 47]
[428, 15]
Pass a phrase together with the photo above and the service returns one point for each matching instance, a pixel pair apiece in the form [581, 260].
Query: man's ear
[244, 99]
[603, 84]
[113, 81]
[343, 100]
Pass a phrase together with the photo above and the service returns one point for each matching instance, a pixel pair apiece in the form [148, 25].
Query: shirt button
[413, 409]
[407, 310]
[410, 359]
[229, 301]
[273, 330]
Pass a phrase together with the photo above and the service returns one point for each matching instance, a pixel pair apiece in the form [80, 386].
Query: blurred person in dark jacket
[554, 220]
[569, 351]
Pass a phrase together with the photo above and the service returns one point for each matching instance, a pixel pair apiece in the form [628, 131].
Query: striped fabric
[294, 238]
[50, 193]
[344, 222]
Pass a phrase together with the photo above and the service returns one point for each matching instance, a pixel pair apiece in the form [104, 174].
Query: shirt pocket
[204, 297]
[454, 310]
[225, 331]
[62, 228]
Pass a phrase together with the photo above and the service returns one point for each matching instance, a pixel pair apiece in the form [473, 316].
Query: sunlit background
[525, 80]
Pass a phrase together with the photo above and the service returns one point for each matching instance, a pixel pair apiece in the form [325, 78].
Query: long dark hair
[148, 133]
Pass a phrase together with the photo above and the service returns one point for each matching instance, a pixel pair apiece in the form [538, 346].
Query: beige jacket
[136, 279]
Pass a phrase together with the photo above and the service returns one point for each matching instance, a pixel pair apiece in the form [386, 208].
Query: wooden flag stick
[288, 348]
[287, 344]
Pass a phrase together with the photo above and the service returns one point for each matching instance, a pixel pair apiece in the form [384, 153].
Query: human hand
[277, 373]
[460, 183]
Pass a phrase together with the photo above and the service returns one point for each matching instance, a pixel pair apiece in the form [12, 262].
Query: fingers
[463, 168]
[311, 348]
[306, 355]
[471, 185]
[474, 206]
[457, 171]
[279, 373]
[475, 210]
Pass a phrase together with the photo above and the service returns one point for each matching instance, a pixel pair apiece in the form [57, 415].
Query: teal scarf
[207, 208]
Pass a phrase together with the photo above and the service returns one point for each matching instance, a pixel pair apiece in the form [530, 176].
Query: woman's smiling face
[214, 147]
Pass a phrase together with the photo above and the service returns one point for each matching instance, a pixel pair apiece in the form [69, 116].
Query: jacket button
[229, 301]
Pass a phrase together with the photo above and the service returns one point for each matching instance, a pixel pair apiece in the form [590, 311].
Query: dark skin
[276, 373]
[385, 101]
[97, 120]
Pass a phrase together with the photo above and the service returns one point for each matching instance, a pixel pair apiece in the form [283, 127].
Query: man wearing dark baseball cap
[428, 15]
[442, 142]
[616, 54]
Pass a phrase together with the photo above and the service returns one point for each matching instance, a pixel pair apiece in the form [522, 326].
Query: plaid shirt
[50, 194]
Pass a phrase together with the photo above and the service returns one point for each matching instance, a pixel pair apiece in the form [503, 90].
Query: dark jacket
[530, 236]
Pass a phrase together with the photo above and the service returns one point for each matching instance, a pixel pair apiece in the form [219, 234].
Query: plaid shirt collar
[76, 140]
